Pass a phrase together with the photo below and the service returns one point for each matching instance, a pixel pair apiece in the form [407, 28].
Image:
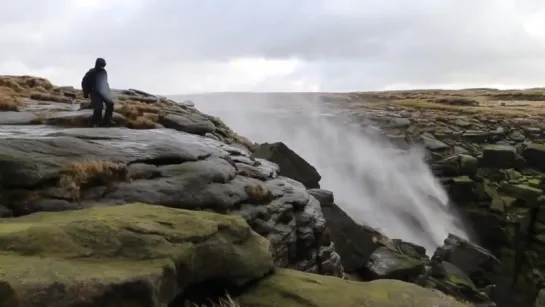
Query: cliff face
[170, 203]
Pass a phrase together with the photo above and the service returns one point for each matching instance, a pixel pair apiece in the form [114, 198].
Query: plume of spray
[373, 181]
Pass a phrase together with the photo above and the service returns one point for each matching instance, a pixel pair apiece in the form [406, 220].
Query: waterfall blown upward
[376, 183]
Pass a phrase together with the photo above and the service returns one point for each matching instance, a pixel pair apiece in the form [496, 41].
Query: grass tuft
[8, 100]
[226, 301]
[91, 172]
[48, 97]
[139, 114]
[257, 193]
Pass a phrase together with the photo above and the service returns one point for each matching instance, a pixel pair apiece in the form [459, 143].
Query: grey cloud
[345, 44]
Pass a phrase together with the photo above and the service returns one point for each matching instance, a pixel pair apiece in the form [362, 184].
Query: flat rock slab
[18, 118]
[190, 123]
[81, 118]
[32, 160]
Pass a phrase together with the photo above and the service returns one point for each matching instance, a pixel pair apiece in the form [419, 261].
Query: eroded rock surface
[129, 255]
[292, 288]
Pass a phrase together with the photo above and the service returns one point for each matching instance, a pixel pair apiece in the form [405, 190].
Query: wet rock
[472, 259]
[355, 243]
[190, 123]
[535, 155]
[449, 279]
[461, 189]
[431, 143]
[172, 169]
[291, 164]
[498, 156]
[468, 165]
[81, 118]
[475, 136]
[521, 191]
[399, 122]
[18, 118]
[388, 264]
[462, 122]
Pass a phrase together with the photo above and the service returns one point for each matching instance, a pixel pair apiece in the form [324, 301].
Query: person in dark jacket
[95, 84]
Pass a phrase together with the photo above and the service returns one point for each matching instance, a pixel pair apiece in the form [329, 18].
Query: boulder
[385, 263]
[473, 260]
[190, 123]
[291, 164]
[354, 242]
[82, 167]
[130, 255]
[433, 144]
[498, 156]
[294, 289]
[534, 154]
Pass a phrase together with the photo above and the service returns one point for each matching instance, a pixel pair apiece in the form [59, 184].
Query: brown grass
[226, 301]
[8, 100]
[49, 97]
[526, 95]
[89, 172]
[21, 84]
[141, 122]
[140, 115]
[38, 120]
[485, 108]
[258, 193]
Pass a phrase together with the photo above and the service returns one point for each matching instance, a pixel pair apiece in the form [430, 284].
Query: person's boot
[96, 119]
[108, 114]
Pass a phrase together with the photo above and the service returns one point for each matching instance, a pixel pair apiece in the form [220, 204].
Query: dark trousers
[97, 103]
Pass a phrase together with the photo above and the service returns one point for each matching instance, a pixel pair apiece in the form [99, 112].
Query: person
[95, 85]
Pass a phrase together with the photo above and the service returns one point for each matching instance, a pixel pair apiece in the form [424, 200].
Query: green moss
[462, 180]
[90, 252]
[457, 277]
[293, 289]
[468, 165]
[7, 157]
[506, 148]
[520, 191]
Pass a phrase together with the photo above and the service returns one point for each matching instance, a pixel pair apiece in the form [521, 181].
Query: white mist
[373, 181]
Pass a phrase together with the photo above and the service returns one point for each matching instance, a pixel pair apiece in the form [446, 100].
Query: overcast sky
[180, 46]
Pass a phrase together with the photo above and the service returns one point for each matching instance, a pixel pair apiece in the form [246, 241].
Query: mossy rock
[130, 255]
[297, 289]
[520, 191]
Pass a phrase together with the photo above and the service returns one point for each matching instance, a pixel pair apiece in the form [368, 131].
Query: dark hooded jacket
[95, 81]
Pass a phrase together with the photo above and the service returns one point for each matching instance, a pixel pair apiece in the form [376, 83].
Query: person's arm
[102, 87]
[84, 85]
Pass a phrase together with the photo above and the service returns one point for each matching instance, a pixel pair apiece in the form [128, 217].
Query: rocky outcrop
[502, 198]
[458, 268]
[196, 163]
[291, 164]
[172, 202]
[129, 255]
[79, 168]
[292, 288]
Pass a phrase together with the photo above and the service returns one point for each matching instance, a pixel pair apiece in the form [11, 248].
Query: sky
[188, 46]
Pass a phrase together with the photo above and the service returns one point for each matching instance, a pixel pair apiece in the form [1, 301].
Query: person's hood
[100, 63]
